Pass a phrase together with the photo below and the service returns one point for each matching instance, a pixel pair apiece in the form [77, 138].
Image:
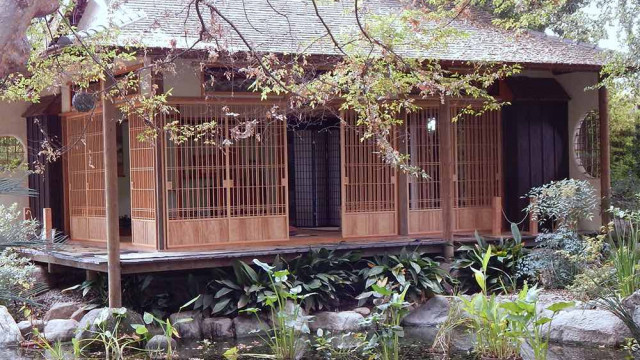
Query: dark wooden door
[536, 150]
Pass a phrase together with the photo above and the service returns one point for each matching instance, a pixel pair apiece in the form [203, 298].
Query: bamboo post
[403, 185]
[496, 226]
[605, 154]
[446, 186]
[26, 212]
[533, 221]
[109, 115]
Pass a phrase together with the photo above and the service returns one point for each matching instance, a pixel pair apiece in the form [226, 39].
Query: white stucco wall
[582, 101]
[13, 124]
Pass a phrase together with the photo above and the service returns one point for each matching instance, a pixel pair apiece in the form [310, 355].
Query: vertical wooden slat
[446, 184]
[605, 154]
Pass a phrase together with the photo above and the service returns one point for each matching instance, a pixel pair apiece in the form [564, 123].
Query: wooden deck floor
[93, 257]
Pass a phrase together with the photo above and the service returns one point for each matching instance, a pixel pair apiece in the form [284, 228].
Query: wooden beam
[496, 226]
[605, 154]
[47, 227]
[446, 180]
[109, 117]
[533, 220]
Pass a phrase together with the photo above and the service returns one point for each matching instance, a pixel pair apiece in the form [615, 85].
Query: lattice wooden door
[478, 168]
[217, 194]
[369, 205]
[425, 209]
[85, 168]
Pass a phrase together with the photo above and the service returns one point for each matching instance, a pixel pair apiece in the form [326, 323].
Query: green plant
[625, 251]
[96, 290]
[563, 202]
[16, 276]
[341, 346]
[501, 271]
[109, 335]
[53, 351]
[138, 295]
[227, 294]
[391, 307]
[590, 284]
[168, 329]
[455, 319]
[323, 275]
[425, 275]
[288, 321]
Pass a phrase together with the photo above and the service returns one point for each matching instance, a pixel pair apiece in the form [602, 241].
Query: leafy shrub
[563, 202]
[590, 284]
[323, 276]
[16, 276]
[416, 269]
[625, 251]
[501, 271]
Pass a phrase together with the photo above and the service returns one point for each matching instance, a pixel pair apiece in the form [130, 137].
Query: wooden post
[496, 226]
[605, 154]
[446, 180]
[533, 221]
[109, 116]
[26, 212]
[403, 184]
[47, 227]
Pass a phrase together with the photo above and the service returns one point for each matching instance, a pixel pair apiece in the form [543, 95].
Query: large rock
[158, 346]
[249, 326]
[61, 330]
[588, 328]
[217, 327]
[9, 331]
[188, 324]
[62, 311]
[79, 314]
[432, 313]
[337, 321]
[97, 320]
[26, 326]
[632, 301]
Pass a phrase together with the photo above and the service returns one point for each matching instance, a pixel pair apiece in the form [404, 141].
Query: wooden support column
[403, 183]
[496, 226]
[446, 177]
[109, 118]
[605, 154]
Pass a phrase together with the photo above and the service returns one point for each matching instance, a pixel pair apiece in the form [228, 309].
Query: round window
[11, 153]
[586, 144]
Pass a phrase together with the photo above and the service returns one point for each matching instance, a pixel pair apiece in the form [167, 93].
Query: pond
[416, 345]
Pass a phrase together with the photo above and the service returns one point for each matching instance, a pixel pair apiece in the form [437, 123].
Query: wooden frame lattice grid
[221, 190]
[478, 167]
[85, 163]
[369, 187]
[425, 208]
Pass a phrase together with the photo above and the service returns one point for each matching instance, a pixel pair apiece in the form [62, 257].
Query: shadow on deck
[91, 256]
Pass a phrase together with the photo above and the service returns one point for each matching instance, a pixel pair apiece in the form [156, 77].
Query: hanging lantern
[83, 101]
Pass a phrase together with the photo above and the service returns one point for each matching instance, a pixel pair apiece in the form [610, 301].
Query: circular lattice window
[587, 144]
[11, 152]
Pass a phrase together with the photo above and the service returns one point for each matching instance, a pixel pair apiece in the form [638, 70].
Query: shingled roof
[291, 26]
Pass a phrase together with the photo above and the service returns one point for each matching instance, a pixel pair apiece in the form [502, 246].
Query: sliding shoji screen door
[478, 169]
[423, 133]
[369, 205]
[142, 162]
[220, 192]
[85, 167]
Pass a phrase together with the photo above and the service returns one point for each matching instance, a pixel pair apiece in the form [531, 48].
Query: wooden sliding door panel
[478, 169]
[230, 184]
[425, 210]
[86, 176]
[368, 185]
[143, 184]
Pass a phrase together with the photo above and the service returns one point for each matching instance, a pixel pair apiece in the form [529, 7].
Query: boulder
[337, 321]
[217, 327]
[248, 326]
[9, 331]
[588, 328]
[432, 313]
[158, 346]
[26, 326]
[61, 330]
[188, 324]
[632, 301]
[364, 311]
[62, 311]
[106, 319]
[79, 314]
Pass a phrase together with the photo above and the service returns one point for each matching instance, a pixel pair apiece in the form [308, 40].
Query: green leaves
[561, 305]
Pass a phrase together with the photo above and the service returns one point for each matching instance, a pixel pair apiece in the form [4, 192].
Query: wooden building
[295, 186]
